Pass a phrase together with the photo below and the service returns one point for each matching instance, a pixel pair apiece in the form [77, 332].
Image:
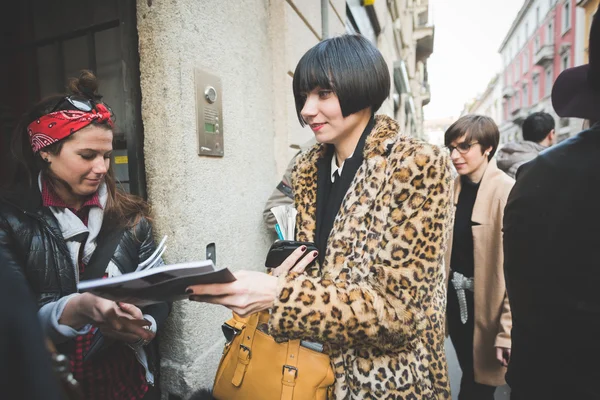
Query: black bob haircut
[351, 67]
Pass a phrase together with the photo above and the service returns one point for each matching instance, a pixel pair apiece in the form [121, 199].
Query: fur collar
[384, 133]
[371, 174]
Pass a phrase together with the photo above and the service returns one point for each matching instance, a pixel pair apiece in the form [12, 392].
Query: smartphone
[281, 249]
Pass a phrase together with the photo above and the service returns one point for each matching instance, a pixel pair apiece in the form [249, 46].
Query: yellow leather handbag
[255, 366]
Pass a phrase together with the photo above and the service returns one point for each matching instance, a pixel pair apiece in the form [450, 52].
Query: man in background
[538, 135]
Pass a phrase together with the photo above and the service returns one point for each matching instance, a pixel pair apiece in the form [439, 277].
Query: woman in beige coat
[478, 313]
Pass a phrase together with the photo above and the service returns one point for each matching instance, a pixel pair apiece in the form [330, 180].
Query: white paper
[158, 284]
[286, 219]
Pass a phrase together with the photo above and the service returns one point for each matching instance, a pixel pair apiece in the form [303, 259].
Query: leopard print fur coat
[378, 302]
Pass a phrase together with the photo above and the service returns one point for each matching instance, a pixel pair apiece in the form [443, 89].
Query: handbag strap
[290, 370]
[108, 240]
[245, 351]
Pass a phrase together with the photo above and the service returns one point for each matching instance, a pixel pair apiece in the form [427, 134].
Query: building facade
[206, 179]
[544, 39]
[489, 103]
[435, 129]
[413, 35]
[589, 7]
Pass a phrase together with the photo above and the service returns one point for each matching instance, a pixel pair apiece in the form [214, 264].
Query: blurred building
[413, 34]
[589, 8]
[489, 103]
[544, 39]
[205, 114]
[434, 129]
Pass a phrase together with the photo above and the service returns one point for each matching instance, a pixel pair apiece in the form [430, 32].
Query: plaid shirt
[116, 375]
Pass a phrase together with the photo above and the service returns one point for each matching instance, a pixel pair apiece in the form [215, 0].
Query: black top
[462, 241]
[330, 195]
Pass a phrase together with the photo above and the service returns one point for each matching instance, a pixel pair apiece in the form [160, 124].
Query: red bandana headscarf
[56, 126]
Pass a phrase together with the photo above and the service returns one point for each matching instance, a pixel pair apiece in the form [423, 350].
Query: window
[550, 35]
[526, 33]
[525, 61]
[525, 96]
[536, 46]
[518, 68]
[566, 17]
[537, 16]
[549, 80]
[535, 96]
[564, 61]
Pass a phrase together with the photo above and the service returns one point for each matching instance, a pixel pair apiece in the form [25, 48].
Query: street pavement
[502, 393]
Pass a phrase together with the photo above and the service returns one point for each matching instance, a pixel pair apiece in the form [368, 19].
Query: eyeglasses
[462, 148]
[82, 104]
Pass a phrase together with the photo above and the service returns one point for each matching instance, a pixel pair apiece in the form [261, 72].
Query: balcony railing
[508, 92]
[519, 114]
[425, 93]
[545, 55]
[423, 36]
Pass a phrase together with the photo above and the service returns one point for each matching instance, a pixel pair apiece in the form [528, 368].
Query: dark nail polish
[303, 248]
[189, 291]
[315, 254]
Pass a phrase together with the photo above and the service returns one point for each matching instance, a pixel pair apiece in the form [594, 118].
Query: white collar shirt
[335, 168]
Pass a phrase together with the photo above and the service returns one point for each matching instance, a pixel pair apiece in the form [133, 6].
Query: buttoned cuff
[154, 326]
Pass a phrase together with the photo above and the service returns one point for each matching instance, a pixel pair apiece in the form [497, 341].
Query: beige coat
[493, 320]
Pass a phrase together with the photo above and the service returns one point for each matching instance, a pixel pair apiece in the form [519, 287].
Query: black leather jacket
[32, 243]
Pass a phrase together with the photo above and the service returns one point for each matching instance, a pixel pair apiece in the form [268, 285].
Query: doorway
[44, 43]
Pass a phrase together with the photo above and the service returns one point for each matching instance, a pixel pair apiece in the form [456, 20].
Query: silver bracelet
[141, 341]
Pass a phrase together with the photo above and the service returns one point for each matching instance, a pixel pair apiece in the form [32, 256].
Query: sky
[468, 34]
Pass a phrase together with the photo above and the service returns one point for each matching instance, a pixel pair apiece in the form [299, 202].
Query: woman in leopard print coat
[376, 204]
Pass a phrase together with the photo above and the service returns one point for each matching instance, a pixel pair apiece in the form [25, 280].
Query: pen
[279, 234]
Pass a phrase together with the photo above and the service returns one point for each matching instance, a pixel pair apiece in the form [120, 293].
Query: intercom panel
[209, 114]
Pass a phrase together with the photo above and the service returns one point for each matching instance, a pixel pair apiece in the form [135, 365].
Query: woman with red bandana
[62, 220]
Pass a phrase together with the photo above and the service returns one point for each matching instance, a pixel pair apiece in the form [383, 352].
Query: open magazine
[158, 284]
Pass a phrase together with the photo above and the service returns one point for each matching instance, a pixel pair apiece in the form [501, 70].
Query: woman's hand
[251, 291]
[503, 355]
[138, 319]
[292, 264]
[123, 323]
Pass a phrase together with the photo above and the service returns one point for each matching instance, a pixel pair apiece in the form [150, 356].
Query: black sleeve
[25, 364]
